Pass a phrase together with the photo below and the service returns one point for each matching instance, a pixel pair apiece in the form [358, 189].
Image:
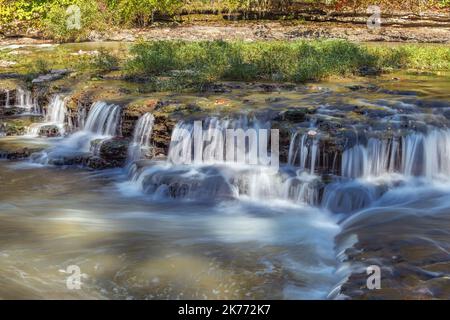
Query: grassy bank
[203, 62]
[179, 65]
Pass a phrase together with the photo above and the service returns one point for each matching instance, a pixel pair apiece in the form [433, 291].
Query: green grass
[180, 65]
[298, 61]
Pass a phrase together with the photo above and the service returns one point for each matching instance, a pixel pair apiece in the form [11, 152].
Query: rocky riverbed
[363, 180]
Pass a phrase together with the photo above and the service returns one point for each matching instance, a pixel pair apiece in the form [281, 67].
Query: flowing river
[154, 229]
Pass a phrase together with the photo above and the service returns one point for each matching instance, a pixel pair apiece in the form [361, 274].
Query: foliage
[105, 61]
[91, 14]
[41, 66]
[51, 16]
[142, 12]
[297, 61]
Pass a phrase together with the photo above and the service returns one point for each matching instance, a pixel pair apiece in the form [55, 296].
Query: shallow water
[132, 248]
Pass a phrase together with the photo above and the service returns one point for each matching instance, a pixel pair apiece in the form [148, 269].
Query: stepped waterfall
[102, 122]
[54, 115]
[244, 199]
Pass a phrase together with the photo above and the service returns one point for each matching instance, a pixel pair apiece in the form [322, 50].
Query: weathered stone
[114, 151]
[49, 131]
[52, 76]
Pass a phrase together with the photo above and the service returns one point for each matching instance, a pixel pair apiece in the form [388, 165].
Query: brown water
[131, 248]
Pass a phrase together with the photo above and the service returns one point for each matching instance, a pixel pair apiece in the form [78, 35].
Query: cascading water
[7, 98]
[372, 168]
[199, 167]
[303, 150]
[54, 115]
[25, 100]
[103, 119]
[102, 123]
[140, 146]
[276, 225]
[56, 110]
[416, 154]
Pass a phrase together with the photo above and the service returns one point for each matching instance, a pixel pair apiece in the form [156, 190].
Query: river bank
[259, 30]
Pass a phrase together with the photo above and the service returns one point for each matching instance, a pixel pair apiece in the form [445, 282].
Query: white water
[102, 123]
[214, 175]
[207, 143]
[54, 115]
[103, 119]
[416, 154]
[140, 146]
[25, 100]
[7, 99]
[303, 151]
[258, 204]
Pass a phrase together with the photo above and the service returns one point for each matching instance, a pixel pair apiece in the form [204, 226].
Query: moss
[15, 127]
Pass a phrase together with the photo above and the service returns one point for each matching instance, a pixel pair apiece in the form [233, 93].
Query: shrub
[105, 61]
[92, 18]
[278, 61]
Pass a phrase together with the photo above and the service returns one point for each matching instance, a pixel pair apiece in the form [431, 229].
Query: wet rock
[216, 88]
[52, 76]
[16, 127]
[49, 131]
[19, 154]
[162, 131]
[113, 152]
[98, 163]
[275, 99]
[359, 87]
[294, 115]
[374, 112]
[369, 71]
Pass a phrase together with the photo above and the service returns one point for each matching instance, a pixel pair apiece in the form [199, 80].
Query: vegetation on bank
[299, 61]
[50, 16]
[180, 65]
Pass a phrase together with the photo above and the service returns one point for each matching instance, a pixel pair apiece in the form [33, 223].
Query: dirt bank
[265, 30]
[250, 31]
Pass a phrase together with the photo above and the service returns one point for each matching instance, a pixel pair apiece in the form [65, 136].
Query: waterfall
[7, 99]
[103, 119]
[209, 142]
[56, 110]
[415, 154]
[25, 100]
[198, 167]
[54, 115]
[303, 150]
[102, 123]
[140, 145]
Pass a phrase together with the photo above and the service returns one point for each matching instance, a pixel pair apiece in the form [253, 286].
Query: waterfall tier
[140, 146]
